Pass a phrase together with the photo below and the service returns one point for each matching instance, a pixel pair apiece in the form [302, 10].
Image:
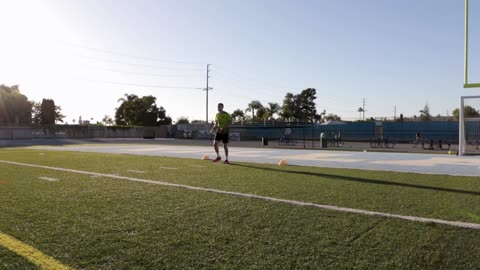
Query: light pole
[206, 90]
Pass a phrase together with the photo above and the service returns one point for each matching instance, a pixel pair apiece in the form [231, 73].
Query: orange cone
[205, 157]
[282, 162]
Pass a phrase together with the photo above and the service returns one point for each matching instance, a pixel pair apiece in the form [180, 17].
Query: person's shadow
[361, 180]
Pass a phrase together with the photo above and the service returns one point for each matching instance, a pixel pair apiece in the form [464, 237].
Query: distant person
[288, 133]
[212, 134]
[417, 137]
[221, 128]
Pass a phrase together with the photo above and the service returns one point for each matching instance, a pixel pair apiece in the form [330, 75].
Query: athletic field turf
[104, 211]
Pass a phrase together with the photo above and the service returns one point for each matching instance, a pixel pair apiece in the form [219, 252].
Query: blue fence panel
[446, 131]
[350, 132]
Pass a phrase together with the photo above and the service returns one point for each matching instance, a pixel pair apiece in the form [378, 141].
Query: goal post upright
[465, 79]
[461, 128]
[467, 138]
[462, 132]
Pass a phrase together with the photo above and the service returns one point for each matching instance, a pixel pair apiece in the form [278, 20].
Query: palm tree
[107, 120]
[288, 107]
[238, 115]
[425, 113]
[252, 106]
[273, 108]
[127, 97]
[262, 113]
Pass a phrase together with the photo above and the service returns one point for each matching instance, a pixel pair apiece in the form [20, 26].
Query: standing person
[221, 127]
[288, 133]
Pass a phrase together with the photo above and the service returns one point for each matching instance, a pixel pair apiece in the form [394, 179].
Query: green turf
[11, 261]
[102, 223]
[432, 196]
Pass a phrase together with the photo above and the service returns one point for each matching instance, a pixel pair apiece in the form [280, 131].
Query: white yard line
[459, 224]
[168, 168]
[135, 171]
[47, 179]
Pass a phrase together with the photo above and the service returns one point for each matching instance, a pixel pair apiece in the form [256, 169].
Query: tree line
[16, 109]
[295, 107]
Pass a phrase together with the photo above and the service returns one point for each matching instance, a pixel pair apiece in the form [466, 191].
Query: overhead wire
[246, 97]
[128, 55]
[137, 64]
[145, 85]
[146, 74]
[251, 80]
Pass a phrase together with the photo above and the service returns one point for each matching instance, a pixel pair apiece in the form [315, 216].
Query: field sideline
[95, 221]
[377, 161]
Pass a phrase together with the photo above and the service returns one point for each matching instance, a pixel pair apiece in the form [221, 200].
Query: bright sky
[86, 54]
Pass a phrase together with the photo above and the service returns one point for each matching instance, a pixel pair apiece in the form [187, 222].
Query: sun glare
[34, 31]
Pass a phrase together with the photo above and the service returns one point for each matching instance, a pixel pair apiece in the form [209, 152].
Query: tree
[37, 112]
[126, 111]
[300, 107]
[456, 114]
[147, 111]
[238, 115]
[262, 113]
[288, 107]
[467, 112]
[138, 111]
[163, 119]
[58, 114]
[273, 108]
[252, 106]
[14, 107]
[425, 113]
[183, 120]
[304, 105]
[106, 120]
[46, 112]
[334, 117]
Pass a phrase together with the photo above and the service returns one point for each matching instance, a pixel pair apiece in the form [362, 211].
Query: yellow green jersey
[223, 120]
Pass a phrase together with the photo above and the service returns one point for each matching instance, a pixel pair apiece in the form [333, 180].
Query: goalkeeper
[221, 127]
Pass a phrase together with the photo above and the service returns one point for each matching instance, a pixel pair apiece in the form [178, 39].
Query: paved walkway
[399, 162]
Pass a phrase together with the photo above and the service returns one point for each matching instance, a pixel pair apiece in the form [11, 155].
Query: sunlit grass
[104, 223]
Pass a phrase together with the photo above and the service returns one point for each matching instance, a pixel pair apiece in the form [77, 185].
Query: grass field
[87, 221]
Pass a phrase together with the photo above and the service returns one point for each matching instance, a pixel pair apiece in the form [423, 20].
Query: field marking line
[197, 166]
[47, 178]
[135, 171]
[459, 224]
[168, 168]
[30, 253]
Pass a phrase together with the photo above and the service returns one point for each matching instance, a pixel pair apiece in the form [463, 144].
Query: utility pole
[363, 109]
[394, 113]
[206, 90]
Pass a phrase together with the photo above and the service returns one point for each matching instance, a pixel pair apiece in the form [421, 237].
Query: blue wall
[358, 131]
[446, 131]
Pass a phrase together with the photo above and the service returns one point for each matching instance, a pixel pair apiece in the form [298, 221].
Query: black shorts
[221, 137]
